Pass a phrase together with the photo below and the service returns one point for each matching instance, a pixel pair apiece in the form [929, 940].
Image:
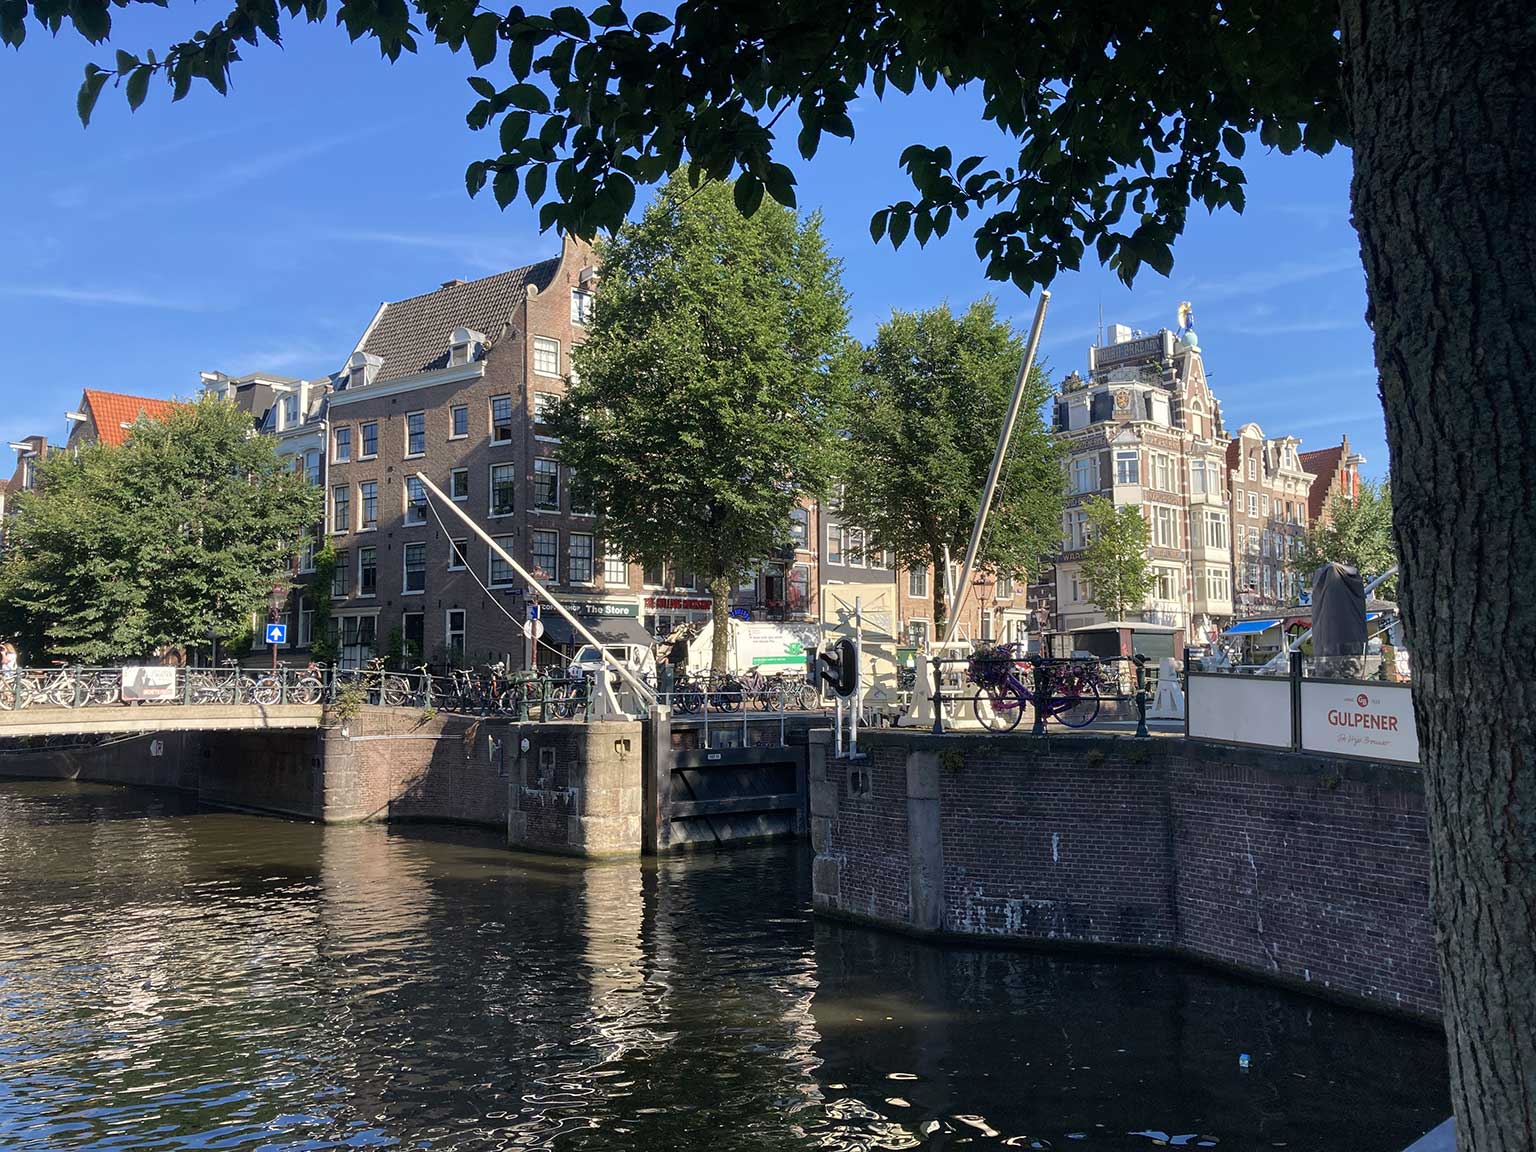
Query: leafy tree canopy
[707, 394]
[1124, 116]
[1356, 532]
[1114, 561]
[177, 536]
[925, 415]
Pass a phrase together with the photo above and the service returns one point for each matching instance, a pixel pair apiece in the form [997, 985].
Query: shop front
[611, 620]
[666, 612]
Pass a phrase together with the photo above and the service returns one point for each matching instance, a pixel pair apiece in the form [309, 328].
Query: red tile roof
[109, 411]
[1322, 463]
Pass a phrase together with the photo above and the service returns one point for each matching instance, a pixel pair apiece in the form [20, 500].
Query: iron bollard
[1141, 694]
[1042, 696]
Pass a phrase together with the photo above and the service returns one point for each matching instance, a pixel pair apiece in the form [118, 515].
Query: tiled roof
[1322, 463]
[412, 335]
[111, 410]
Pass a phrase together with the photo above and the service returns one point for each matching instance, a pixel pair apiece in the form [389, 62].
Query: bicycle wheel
[728, 698]
[69, 692]
[396, 691]
[306, 690]
[999, 708]
[267, 691]
[687, 700]
[1077, 705]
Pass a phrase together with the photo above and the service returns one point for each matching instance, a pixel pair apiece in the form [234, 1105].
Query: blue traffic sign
[277, 633]
[533, 611]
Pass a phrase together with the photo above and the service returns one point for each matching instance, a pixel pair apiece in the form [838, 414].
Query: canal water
[180, 979]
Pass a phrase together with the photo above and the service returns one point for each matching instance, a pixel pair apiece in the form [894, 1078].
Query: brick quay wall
[1306, 870]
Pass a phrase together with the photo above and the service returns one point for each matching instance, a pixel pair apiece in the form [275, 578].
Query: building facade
[1144, 430]
[1337, 472]
[1271, 491]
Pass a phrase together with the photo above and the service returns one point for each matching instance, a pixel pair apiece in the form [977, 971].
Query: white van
[638, 658]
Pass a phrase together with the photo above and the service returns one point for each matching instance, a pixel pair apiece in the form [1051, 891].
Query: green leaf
[481, 38]
[607, 16]
[90, 89]
[781, 184]
[748, 193]
[483, 86]
[528, 96]
[1233, 139]
[534, 181]
[126, 62]
[571, 22]
[474, 176]
[504, 187]
[899, 223]
[649, 23]
[877, 224]
[1158, 256]
[138, 86]
[514, 128]
[520, 56]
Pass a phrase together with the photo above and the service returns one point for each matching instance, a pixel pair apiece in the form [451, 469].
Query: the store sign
[688, 603]
[601, 608]
[1370, 720]
[149, 682]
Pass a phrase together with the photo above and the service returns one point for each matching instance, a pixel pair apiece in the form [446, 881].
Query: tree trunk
[1445, 166]
[720, 614]
[940, 601]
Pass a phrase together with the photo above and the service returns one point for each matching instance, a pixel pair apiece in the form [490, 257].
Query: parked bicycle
[1003, 694]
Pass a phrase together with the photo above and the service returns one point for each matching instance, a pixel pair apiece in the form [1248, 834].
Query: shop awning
[1250, 627]
[610, 630]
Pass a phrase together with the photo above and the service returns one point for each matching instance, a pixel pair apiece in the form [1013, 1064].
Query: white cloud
[122, 297]
[472, 250]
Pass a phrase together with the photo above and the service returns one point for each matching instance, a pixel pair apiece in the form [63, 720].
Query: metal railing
[1002, 685]
[81, 686]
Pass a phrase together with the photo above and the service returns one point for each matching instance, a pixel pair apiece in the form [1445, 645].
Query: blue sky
[259, 231]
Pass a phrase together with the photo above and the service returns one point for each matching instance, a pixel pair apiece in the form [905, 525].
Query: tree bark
[720, 615]
[940, 601]
[1444, 200]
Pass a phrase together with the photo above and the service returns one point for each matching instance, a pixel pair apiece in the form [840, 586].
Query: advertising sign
[1370, 720]
[149, 682]
[1240, 709]
[611, 608]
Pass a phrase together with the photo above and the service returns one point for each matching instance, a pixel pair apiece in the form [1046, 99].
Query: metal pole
[645, 694]
[1005, 434]
[858, 677]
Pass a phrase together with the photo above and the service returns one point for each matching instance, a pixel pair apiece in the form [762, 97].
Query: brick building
[453, 383]
[1337, 472]
[1270, 490]
[1144, 430]
[105, 417]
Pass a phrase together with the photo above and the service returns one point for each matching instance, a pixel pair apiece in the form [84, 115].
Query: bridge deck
[128, 719]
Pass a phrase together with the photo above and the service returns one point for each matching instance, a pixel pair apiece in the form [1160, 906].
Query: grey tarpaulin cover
[1338, 611]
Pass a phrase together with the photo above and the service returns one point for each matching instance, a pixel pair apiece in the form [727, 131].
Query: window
[651, 575]
[798, 521]
[413, 634]
[799, 588]
[1216, 529]
[415, 501]
[306, 622]
[1218, 583]
[1253, 503]
[546, 356]
[1128, 467]
[1253, 467]
[1197, 478]
[501, 419]
[917, 632]
[773, 585]
[341, 509]
[853, 545]
[546, 484]
[579, 556]
[1162, 472]
[1004, 590]
[458, 484]
[835, 545]
[986, 625]
[1237, 499]
[368, 494]
[458, 422]
[1085, 474]
[415, 568]
[684, 580]
[307, 553]
[503, 486]
[458, 554]
[312, 467]
[501, 573]
[1081, 592]
[1165, 583]
[581, 502]
[546, 554]
[340, 573]
[1264, 504]
[1077, 529]
[342, 440]
[1242, 537]
[615, 568]
[581, 307]
[542, 403]
[290, 411]
[370, 433]
[415, 434]
[455, 635]
[367, 571]
[917, 583]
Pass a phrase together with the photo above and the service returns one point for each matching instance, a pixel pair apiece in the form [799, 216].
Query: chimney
[464, 346]
[452, 284]
[362, 368]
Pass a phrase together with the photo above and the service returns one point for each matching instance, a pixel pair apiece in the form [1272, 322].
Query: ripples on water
[174, 979]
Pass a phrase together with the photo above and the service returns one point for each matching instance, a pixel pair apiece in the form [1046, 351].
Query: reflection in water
[171, 978]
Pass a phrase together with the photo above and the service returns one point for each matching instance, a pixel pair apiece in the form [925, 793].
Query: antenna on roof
[1100, 340]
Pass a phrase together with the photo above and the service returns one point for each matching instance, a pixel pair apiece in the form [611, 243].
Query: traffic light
[838, 668]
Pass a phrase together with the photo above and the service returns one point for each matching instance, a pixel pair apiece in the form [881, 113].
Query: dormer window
[464, 346]
[581, 306]
[362, 368]
[289, 415]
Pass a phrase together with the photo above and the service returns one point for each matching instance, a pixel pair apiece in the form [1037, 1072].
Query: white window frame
[509, 543]
[511, 412]
[453, 474]
[409, 455]
[538, 345]
[361, 595]
[1085, 475]
[341, 529]
[362, 440]
[411, 506]
[545, 466]
[581, 307]
[1131, 475]
[917, 583]
[343, 571]
[453, 414]
[362, 505]
[337, 455]
[552, 575]
[462, 631]
[491, 495]
[405, 568]
[610, 559]
[543, 400]
[590, 557]
[458, 550]
[854, 556]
